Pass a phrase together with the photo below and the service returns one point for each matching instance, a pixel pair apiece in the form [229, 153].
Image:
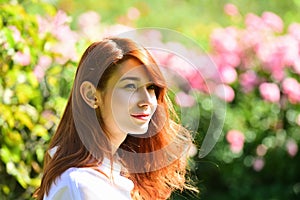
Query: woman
[118, 137]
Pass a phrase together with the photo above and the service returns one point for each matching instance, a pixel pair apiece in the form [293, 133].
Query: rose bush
[257, 157]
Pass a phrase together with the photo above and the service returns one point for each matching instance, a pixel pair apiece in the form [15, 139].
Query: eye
[130, 86]
[152, 87]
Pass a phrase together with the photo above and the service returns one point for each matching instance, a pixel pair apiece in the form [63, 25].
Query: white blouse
[89, 184]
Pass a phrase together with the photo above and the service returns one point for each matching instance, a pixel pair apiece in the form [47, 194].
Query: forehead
[131, 67]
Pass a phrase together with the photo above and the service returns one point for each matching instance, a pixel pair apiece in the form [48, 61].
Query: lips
[142, 116]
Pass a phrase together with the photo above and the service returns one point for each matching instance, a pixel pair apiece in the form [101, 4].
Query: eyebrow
[131, 78]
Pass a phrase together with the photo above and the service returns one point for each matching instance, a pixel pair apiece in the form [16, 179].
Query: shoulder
[77, 184]
[85, 184]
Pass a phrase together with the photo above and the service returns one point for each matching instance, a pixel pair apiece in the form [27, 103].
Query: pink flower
[88, 19]
[116, 30]
[225, 40]
[258, 164]
[236, 140]
[270, 92]
[254, 22]
[248, 80]
[89, 25]
[16, 34]
[296, 66]
[275, 54]
[294, 30]
[22, 59]
[289, 85]
[45, 61]
[53, 24]
[290, 47]
[133, 13]
[273, 21]
[180, 66]
[58, 25]
[40, 69]
[228, 74]
[225, 92]
[61, 18]
[161, 57]
[291, 88]
[251, 38]
[292, 147]
[229, 58]
[197, 81]
[184, 100]
[231, 10]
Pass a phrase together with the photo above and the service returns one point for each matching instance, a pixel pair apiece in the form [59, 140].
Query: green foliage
[30, 106]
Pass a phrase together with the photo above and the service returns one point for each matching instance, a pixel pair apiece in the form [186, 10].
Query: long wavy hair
[155, 161]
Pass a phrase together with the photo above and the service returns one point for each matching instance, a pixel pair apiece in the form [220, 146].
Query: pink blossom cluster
[236, 140]
[20, 57]
[262, 46]
[44, 63]
[59, 27]
[183, 66]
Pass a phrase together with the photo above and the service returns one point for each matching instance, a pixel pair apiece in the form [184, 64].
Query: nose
[146, 98]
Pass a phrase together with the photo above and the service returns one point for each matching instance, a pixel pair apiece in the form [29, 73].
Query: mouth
[142, 117]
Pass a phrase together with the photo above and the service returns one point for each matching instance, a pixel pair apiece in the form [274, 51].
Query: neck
[116, 140]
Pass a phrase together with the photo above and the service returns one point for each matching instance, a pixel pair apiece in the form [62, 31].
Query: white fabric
[89, 184]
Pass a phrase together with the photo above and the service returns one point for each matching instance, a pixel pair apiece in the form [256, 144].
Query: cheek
[120, 102]
[154, 104]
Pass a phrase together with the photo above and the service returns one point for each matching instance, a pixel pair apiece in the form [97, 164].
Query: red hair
[156, 162]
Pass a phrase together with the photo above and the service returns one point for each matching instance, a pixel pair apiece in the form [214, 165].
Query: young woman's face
[129, 100]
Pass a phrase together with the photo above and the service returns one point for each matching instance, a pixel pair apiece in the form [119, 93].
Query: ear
[88, 94]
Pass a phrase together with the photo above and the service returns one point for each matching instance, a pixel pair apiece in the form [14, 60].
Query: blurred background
[254, 44]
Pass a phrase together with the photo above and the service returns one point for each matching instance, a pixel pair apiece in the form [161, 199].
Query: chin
[138, 131]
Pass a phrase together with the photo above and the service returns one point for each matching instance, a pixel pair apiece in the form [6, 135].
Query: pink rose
[294, 30]
[88, 19]
[291, 88]
[184, 100]
[197, 81]
[225, 92]
[225, 40]
[231, 10]
[289, 84]
[133, 13]
[228, 74]
[236, 140]
[228, 58]
[254, 22]
[270, 92]
[89, 25]
[258, 164]
[248, 80]
[278, 53]
[273, 21]
[296, 66]
[292, 147]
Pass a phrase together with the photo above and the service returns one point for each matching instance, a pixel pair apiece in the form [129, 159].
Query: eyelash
[133, 86]
[152, 87]
[130, 86]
